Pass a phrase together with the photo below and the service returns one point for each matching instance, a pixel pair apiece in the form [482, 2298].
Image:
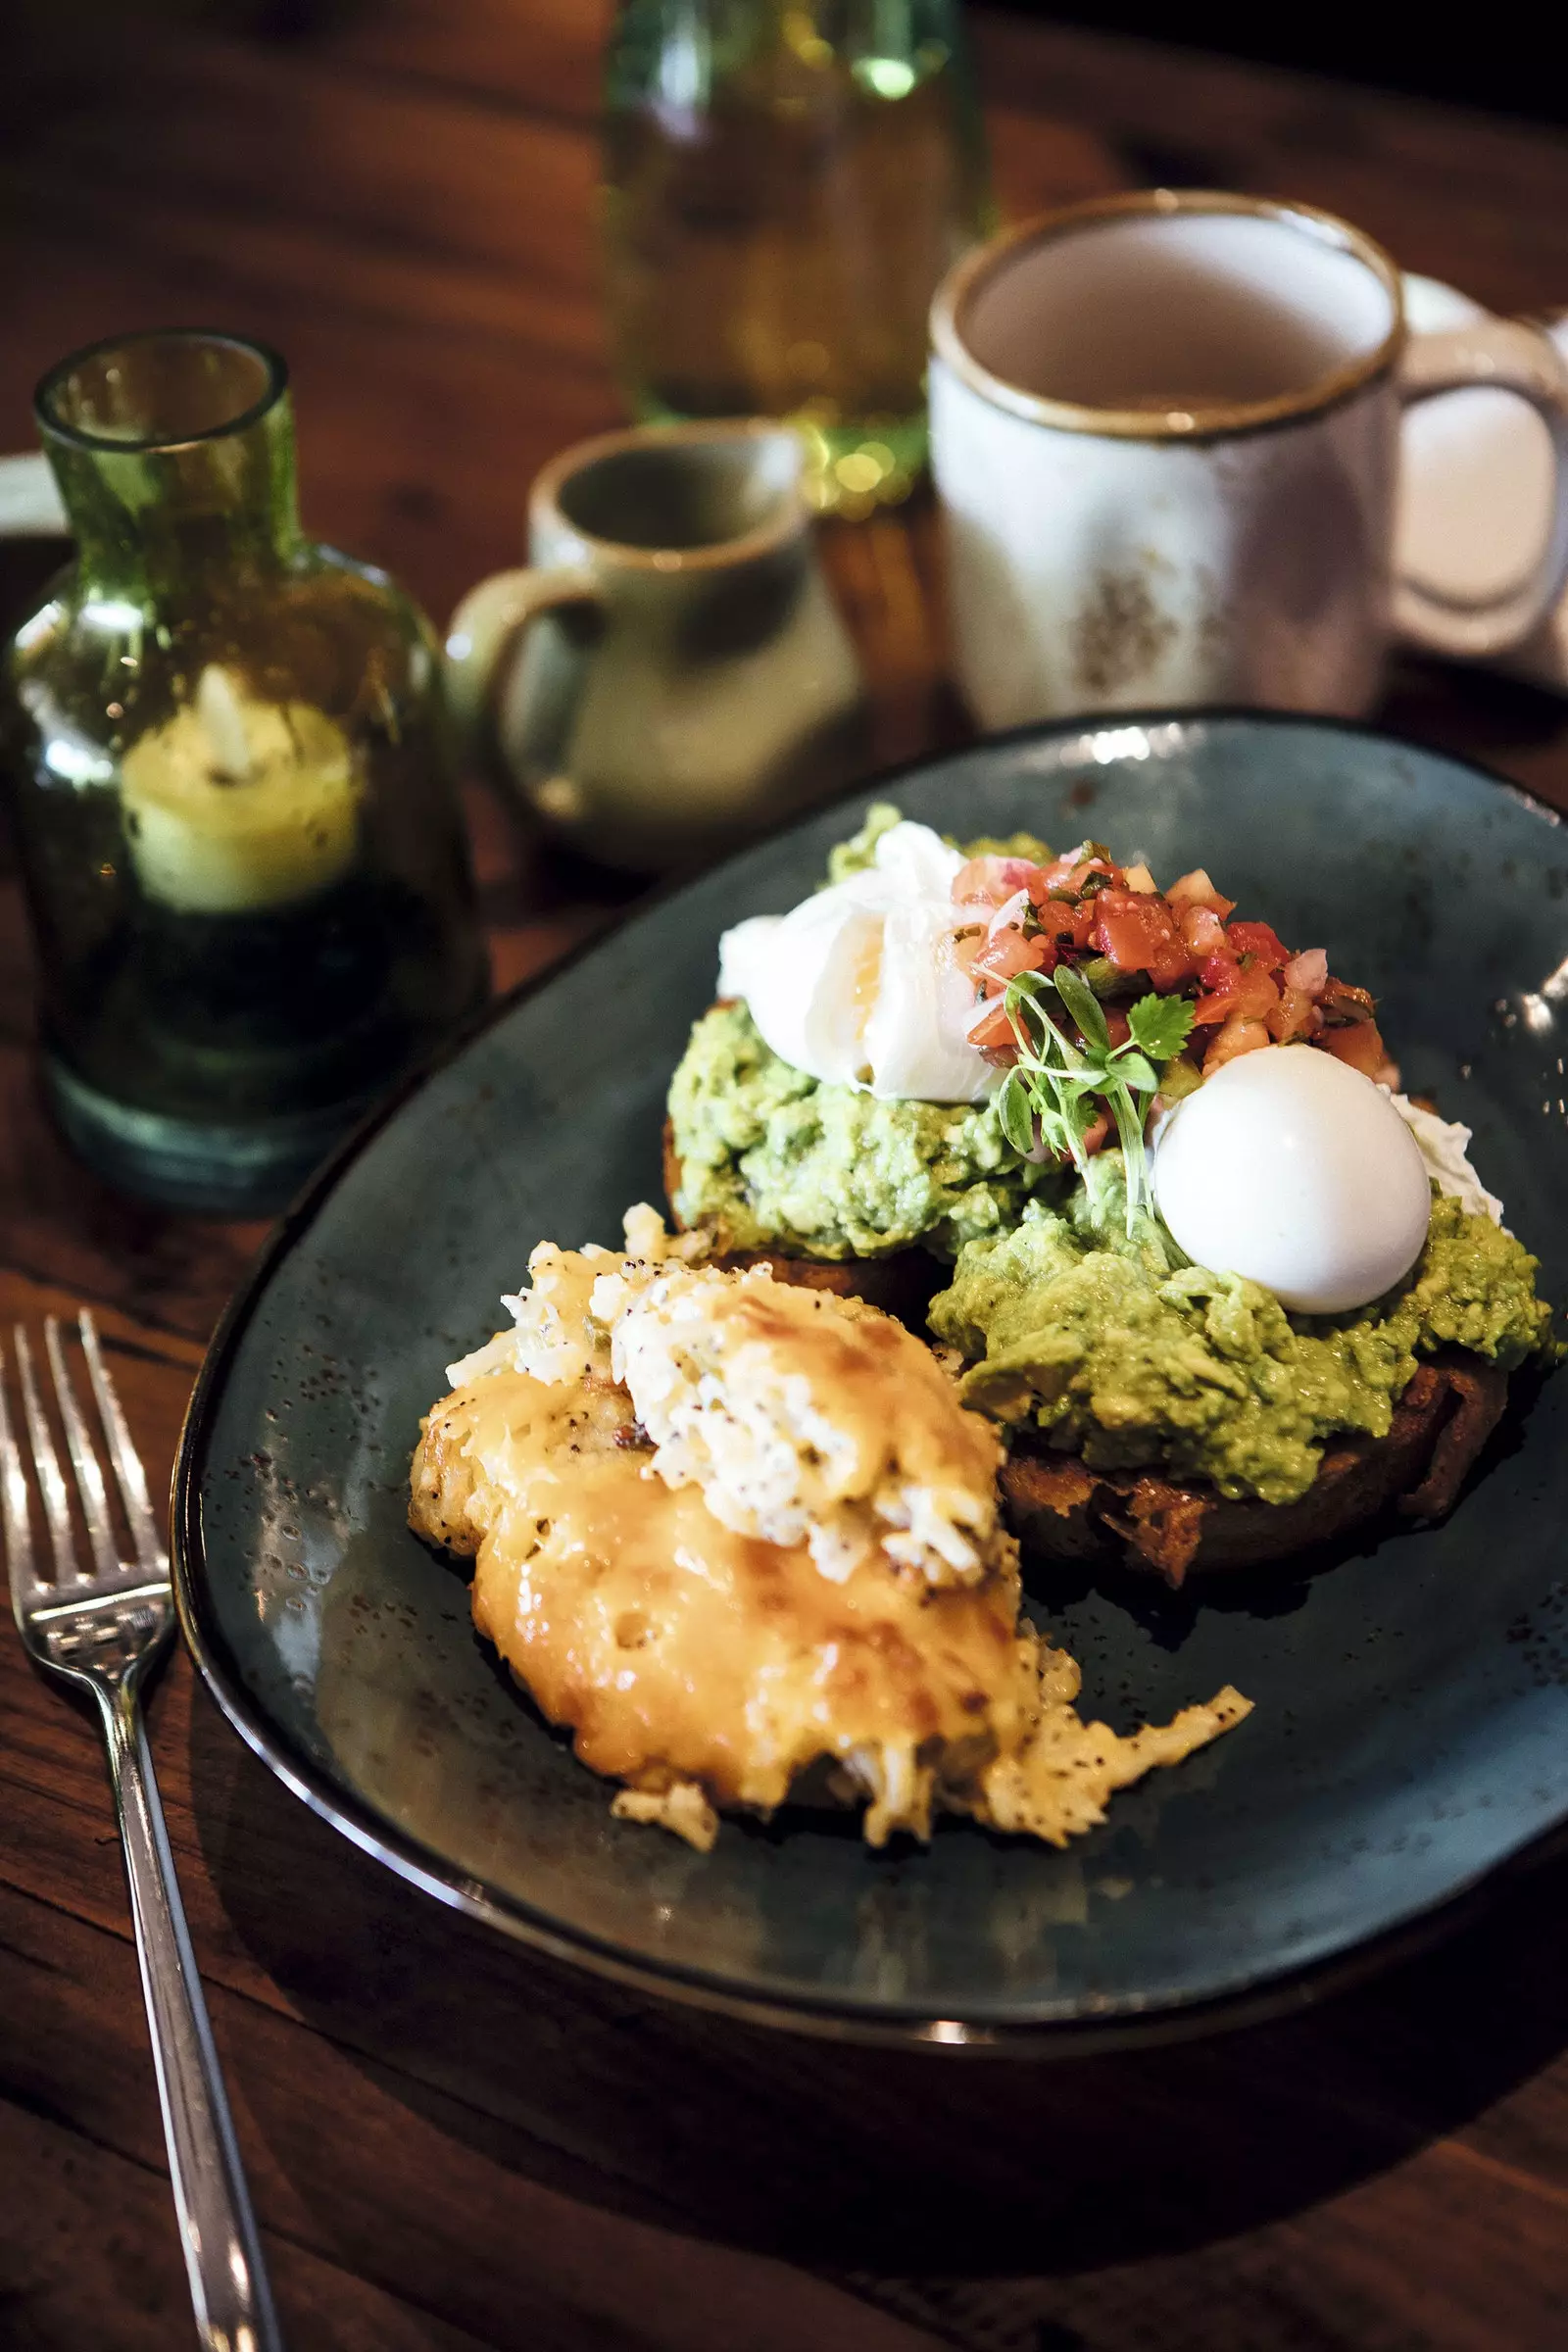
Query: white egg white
[1293, 1170]
[1445, 1146]
[809, 979]
[857, 985]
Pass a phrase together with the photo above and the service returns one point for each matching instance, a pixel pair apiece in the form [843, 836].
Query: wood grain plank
[544, 57]
[98, 2263]
[67, 1233]
[234, 137]
[341, 2165]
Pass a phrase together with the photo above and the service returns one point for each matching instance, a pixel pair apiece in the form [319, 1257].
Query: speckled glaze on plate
[1411, 1722]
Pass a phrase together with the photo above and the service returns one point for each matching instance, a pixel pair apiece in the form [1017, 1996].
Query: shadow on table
[870, 2160]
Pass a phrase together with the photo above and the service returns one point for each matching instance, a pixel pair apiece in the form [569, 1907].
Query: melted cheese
[702, 1665]
[805, 1418]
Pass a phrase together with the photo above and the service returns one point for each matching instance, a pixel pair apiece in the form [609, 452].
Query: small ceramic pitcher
[671, 672]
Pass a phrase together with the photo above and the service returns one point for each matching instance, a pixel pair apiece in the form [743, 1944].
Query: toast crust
[1062, 1510]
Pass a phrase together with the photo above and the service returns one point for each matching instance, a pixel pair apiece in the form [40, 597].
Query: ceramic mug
[1164, 432]
[670, 670]
[30, 502]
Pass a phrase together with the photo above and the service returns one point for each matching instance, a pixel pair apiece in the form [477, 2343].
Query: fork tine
[51, 1480]
[83, 1460]
[14, 1513]
[128, 1473]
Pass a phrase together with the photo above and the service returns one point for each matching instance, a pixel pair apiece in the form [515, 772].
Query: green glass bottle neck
[157, 521]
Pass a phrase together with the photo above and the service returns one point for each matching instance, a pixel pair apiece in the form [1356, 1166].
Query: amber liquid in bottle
[781, 207]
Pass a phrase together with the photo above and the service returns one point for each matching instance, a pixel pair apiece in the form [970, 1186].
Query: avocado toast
[1183, 1416]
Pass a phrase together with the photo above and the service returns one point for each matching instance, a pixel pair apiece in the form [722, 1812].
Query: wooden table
[452, 2143]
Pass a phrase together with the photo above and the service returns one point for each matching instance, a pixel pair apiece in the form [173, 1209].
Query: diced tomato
[1008, 952]
[1119, 1026]
[992, 1032]
[1239, 1036]
[1138, 934]
[992, 881]
[1231, 993]
[1058, 921]
[1095, 1136]
[1259, 941]
[1065, 877]
[1359, 1044]
[1196, 890]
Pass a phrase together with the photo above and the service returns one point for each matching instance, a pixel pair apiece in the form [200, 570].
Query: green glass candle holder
[232, 792]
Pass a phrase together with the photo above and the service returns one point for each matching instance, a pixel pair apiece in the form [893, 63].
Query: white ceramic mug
[29, 502]
[1164, 431]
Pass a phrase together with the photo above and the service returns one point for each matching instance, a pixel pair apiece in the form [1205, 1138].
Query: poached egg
[858, 986]
[1295, 1171]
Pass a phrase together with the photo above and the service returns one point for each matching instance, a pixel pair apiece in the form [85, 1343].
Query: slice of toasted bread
[1062, 1510]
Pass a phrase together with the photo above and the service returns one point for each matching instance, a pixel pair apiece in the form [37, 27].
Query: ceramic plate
[1411, 1721]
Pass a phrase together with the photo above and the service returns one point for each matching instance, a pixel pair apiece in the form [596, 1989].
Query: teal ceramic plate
[1411, 1721]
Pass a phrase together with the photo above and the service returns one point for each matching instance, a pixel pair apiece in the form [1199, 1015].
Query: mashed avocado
[1128, 1355]
[855, 855]
[769, 1155]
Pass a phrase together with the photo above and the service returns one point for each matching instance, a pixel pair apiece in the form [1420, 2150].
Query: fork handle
[229, 2286]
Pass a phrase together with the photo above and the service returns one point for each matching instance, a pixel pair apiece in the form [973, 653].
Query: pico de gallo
[1125, 937]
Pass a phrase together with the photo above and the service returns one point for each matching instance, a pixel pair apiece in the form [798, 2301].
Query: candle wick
[223, 720]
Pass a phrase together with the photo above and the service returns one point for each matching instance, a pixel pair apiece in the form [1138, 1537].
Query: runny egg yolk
[865, 983]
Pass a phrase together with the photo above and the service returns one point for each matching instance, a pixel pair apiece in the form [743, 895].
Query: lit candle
[234, 805]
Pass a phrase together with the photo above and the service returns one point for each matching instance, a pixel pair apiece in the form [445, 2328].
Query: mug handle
[1504, 357]
[485, 637]
[29, 502]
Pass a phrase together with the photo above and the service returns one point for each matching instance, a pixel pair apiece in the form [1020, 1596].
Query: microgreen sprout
[1056, 1088]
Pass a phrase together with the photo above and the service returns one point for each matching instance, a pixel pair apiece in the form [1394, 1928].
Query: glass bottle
[786, 183]
[239, 828]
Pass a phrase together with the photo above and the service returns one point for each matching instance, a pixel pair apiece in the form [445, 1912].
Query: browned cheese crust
[1063, 1512]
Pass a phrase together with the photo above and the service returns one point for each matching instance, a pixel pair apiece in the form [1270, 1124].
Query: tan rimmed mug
[1164, 432]
[669, 671]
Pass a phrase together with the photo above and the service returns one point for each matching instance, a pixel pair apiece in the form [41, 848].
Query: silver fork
[104, 1630]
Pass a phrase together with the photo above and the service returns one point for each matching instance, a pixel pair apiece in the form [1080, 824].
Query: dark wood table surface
[451, 2142]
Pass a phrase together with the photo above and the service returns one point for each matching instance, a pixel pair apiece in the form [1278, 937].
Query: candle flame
[218, 706]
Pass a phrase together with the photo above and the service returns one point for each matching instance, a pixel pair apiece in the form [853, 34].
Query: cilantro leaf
[1134, 1071]
[1161, 1025]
